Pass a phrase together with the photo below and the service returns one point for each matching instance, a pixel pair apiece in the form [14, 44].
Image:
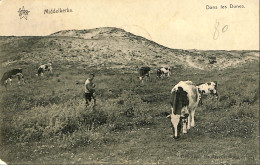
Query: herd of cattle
[9, 75]
[185, 96]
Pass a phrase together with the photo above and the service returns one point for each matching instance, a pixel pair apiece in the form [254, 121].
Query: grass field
[45, 120]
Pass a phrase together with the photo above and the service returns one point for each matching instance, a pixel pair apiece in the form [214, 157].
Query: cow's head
[213, 89]
[176, 124]
[140, 78]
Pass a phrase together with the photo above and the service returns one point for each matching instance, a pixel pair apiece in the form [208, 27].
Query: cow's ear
[168, 116]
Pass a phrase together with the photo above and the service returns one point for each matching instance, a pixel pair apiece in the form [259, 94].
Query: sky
[179, 24]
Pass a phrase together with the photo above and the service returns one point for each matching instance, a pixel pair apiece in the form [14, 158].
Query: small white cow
[184, 100]
[209, 88]
[43, 68]
[166, 71]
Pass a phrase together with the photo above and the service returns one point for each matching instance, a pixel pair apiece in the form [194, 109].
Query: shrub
[131, 112]
[76, 124]
[55, 120]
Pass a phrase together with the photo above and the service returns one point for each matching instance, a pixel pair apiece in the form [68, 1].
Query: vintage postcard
[129, 82]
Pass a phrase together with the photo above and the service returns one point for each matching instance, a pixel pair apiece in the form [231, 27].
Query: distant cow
[8, 76]
[144, 72]
[209, 88]
[43, 68]
[166, 71]
[184, 100]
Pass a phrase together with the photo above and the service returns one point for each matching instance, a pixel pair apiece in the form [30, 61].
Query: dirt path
[192, 64]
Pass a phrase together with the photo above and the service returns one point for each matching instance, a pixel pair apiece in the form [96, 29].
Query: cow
[166, 71]
[8, 76]
[209, 88]
[43, 68]
[184, 101]
[144, 72]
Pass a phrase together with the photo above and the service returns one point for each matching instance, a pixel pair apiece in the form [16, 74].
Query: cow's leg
[179, 129]
[189, 125]
[141, 79]
[200, 102]
[184, 127]
[192, 118]
[216, 95]
[94, 98]
[5, 83]
[10, 81]
[19, 79]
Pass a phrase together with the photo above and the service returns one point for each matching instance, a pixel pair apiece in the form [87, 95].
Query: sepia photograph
[129, 82]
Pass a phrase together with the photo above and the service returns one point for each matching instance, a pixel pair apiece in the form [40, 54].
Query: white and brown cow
[209, 88]
[9, 75]
[43, 68]
[166, 71]
[144, 72]
[184, 101]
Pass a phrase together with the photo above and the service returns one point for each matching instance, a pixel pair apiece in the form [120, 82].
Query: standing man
[90, 89]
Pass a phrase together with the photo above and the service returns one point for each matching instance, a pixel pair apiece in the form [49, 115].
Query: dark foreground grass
[45, 120]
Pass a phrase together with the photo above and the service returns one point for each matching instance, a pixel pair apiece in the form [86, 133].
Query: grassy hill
[110, 47]
[46, 121]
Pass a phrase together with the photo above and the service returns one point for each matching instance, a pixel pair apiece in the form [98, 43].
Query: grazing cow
[8, 76]
[166, 71]
[144, 72]
[184, 100]
[43, 68]
[209, 88]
